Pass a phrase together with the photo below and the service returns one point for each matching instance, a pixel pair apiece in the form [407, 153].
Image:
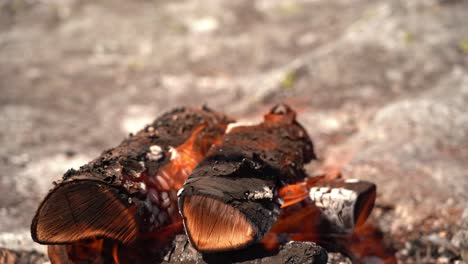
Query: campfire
[197, 186]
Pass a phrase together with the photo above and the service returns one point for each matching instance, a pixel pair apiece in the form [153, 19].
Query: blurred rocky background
[381, 86]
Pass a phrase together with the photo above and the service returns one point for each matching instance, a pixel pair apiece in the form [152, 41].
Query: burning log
[230, 200]
[121, 207]
[129, 190]
[344, 203]
[331, 213]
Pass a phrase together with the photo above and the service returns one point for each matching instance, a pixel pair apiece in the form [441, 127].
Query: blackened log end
[215, 226]
[243, 208]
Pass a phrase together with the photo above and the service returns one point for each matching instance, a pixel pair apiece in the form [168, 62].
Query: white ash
[337, 204]
[237, 124]
[352, 180]
[179, 192]
[265, 193]
[173, 152]
[155, 153]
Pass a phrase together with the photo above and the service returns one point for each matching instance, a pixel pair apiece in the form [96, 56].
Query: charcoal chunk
[291, 253]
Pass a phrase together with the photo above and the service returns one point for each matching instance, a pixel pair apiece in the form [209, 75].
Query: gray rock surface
[19, 257]
[381, 86]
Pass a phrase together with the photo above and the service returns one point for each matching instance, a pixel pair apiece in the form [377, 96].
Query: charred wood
[122, 207]
[333, 215]
[292, 252]
[344, 204]
[230, 200]
[129, 190]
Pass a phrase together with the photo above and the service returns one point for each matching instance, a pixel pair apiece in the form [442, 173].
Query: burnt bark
[330, 217]
[333, 209]
[128, 190]
[247, 169]
[344, 204]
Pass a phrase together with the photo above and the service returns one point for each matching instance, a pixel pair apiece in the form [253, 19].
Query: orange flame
[184, 159]
[295, 193]
[299, 221]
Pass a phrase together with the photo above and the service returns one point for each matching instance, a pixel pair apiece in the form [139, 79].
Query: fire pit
[196, 187]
